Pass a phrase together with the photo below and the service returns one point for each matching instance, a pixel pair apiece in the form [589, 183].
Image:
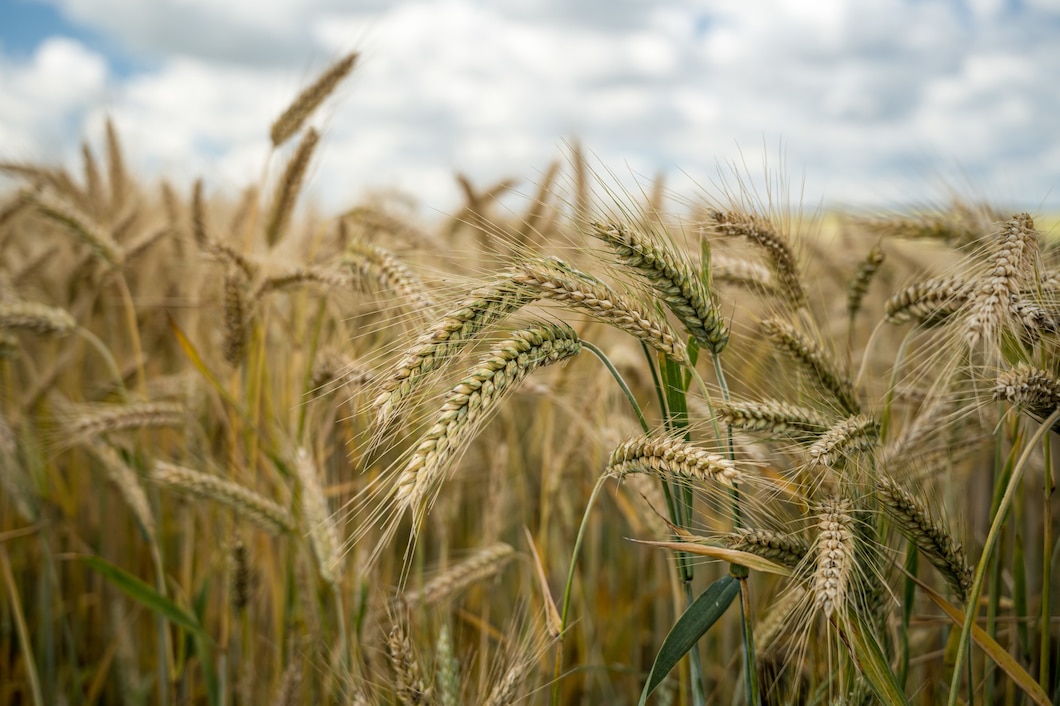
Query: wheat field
[600, 448]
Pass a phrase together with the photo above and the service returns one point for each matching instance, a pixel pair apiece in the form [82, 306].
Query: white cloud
[861, 95]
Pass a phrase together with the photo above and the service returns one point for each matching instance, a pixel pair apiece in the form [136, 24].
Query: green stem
[567, 591]
[1047, 550]
[592, 348]
[988, 548]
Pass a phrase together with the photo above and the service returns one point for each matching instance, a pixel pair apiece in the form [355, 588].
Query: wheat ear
[1033, 390]
[470, 402]
[810, 355]
[858, 286]
[1010, 267]
[259, 510]
[781, 548]
[38, 318]
[930, 302]
[760, 232]
[484, 307]
[289, 187]
[292, 119]
[674, 279]
[858, 432]
[835, 555]
[318, 521]
[93, 422]
[772, 416]
[483, 564]
[409, 684]
[672, 457]
[928, 534]
[556, 281]
[371, 262]
[82, 227]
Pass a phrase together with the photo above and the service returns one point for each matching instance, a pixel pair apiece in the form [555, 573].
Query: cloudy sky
[875, 102]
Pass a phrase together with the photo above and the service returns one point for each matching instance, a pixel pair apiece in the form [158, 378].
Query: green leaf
[873, 665]
[691, 626]
[146, 595]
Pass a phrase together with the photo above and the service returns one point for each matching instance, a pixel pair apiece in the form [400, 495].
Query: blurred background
[876, 103]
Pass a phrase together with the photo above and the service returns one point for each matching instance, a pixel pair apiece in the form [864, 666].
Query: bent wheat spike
[928, 534]
[858, 286]
[371, 262]
[82, 227]
[309, 99]
[763, 234]
[259, 510]
[773, 416]
[811, 356]
[680, 286]
[930, 302]
[855, 433]
[672, 457]
[487, 562]
[469, 403]
[318, 520]
[484, 307]
[38, 318]
[556, 281]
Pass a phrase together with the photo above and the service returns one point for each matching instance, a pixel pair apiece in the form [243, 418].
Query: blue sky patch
[25, 24]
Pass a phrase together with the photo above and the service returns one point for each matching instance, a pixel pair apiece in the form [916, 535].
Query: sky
[875, 103]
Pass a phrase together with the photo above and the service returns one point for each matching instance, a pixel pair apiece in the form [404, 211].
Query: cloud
[862, 98]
